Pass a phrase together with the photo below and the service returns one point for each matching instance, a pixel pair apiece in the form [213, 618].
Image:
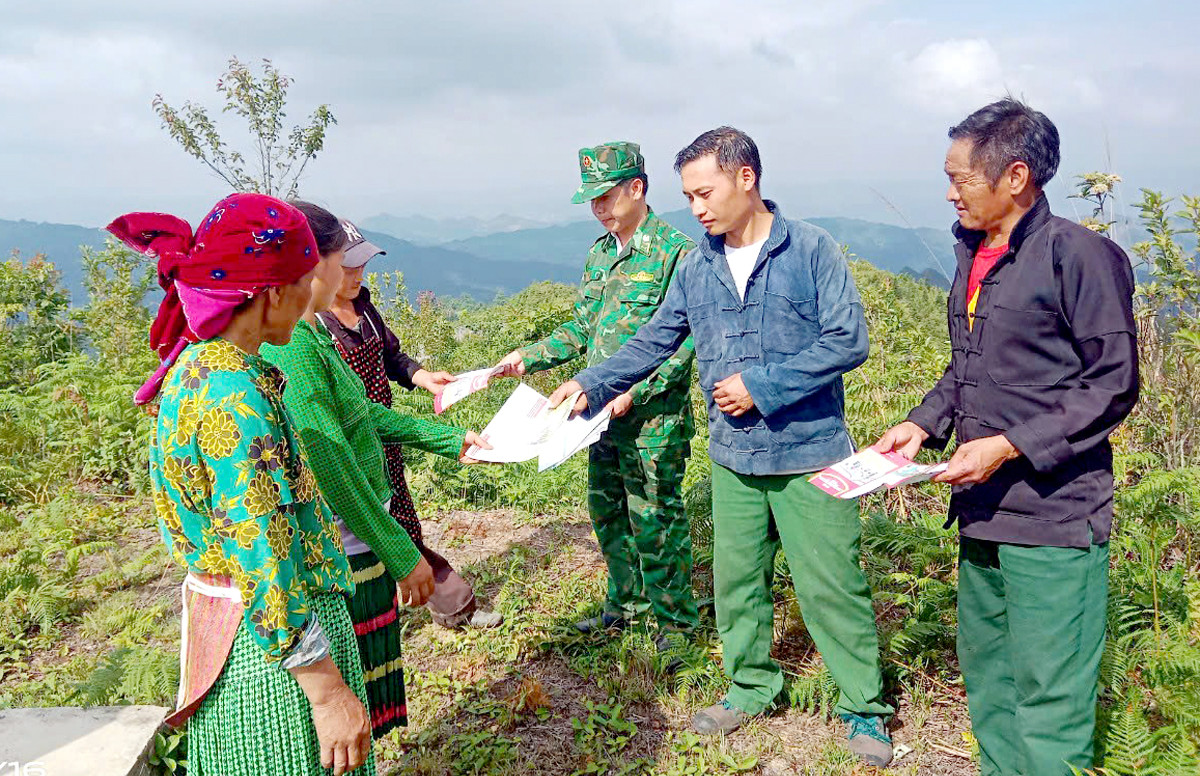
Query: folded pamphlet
[869, 470]
[466, 384]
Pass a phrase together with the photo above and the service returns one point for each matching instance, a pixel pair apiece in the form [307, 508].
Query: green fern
[814, 691]
[1180, 757]
[124, 620]
[102, 685]
[698, 502]
[1129, 743]
[1149, 720]
[1117, 663]
[141, 674]
[33, 594]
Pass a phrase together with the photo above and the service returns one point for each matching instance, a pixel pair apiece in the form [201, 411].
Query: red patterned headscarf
[247, 244]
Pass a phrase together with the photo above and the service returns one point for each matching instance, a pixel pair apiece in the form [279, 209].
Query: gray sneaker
[482, 620]
[722, 717]
[868, 738]
[602, 624]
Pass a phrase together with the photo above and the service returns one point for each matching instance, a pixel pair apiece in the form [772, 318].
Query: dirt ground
[532, 696]
[931, 728]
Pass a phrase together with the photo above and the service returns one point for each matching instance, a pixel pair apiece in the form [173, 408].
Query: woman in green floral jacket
[271, 680]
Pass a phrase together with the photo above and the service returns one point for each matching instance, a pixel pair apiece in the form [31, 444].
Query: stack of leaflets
[868, 471]
[526, 428]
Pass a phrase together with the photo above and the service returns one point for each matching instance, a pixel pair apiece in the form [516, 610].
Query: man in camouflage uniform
[635, 471]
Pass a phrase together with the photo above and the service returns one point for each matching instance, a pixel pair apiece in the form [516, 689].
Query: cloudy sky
[455, 108]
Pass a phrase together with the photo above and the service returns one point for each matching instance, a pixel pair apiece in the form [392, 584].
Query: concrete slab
[67, 741]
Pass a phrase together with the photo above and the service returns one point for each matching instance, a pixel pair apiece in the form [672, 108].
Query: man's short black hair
[1010, 131]
[733, 148]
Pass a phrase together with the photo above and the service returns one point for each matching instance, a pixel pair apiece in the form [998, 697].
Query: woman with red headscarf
[271, 680]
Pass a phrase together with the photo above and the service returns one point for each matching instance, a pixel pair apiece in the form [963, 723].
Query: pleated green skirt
[256, 721]
[375, 611]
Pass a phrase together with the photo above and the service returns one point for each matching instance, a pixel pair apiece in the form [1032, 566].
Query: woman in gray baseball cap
[373, 351]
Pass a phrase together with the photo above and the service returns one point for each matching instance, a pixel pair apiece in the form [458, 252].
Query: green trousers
[820, 536]
[1030, 635]
[635, 496]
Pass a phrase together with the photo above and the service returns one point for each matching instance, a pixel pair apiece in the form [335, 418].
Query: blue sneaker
[868, 738]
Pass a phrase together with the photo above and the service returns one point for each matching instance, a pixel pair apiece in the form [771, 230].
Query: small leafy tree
[278, 160]
[1168, 321]
[34, 323]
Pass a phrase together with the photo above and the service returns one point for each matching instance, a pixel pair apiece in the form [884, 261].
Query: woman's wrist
[321, 681]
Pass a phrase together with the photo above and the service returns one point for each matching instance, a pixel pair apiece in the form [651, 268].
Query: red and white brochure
[868, 471]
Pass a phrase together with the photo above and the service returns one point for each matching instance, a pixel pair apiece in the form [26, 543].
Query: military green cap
[606, 165]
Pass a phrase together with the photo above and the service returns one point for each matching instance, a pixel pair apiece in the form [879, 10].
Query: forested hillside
[508, 259]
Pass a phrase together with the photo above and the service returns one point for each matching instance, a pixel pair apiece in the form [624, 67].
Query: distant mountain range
[59, 242]
[506, 261]
[444, 271]
[924, 253]
[424, 230]
[449, 272]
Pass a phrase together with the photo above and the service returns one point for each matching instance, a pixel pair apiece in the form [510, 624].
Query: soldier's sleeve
[571, 338]
[676, 368]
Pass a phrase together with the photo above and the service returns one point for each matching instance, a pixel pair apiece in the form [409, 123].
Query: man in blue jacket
[777, 321]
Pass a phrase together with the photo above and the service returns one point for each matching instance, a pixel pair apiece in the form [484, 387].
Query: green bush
[70, 416]
[35, 326]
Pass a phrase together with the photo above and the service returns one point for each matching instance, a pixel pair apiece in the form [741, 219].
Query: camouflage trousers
[635, 496]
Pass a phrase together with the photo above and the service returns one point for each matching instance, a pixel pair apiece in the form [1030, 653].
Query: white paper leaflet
[526, 428]
[466, 384]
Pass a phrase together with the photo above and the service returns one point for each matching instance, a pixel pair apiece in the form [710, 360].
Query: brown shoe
[722, 718]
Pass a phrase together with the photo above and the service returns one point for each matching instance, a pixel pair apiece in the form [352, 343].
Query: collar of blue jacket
[799, 328]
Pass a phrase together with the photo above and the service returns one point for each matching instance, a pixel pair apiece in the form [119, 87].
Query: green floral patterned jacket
[234, 495]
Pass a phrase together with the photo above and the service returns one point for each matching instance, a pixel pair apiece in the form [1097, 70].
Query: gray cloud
[464, 107]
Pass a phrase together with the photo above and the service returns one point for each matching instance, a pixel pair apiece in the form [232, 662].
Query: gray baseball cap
[359, 250]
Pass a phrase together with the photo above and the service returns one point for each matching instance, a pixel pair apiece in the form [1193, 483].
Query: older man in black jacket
[1043, 367]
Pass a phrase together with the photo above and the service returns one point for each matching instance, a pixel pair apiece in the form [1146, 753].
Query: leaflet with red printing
[868, 471]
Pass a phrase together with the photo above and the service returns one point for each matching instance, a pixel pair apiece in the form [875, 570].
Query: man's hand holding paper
[870, 470]
[565, 391]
